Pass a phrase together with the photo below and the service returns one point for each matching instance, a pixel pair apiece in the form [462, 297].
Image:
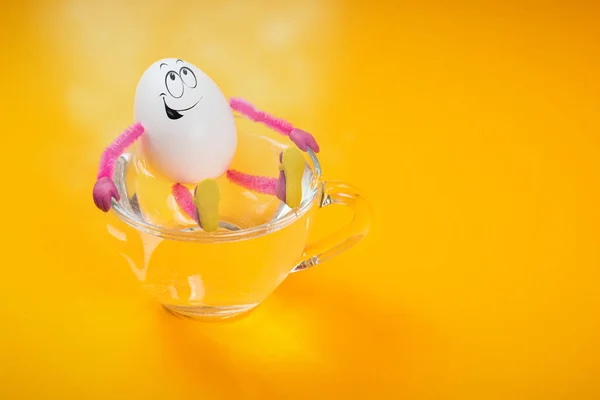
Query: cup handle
[344, 194]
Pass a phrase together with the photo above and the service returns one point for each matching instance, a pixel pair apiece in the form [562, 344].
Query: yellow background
[472, 128]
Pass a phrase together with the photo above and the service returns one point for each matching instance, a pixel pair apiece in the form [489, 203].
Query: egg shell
[189, 128]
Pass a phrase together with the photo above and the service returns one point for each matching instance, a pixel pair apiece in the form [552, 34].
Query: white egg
[189, 128]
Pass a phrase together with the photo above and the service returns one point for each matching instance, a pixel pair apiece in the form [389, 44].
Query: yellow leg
[292, 164]
[206, 198]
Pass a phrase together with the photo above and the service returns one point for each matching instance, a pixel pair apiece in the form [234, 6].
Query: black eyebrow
[178, 61]
[161, 64]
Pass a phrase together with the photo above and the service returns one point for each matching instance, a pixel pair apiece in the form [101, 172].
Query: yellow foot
[206, 198]
[292, 164]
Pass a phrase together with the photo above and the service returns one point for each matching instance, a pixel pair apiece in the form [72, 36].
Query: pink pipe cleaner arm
[116, 148]
[260, 184]
[105, 189]
[302, 139]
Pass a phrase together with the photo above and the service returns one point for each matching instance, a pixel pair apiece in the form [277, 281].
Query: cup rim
[229, 236]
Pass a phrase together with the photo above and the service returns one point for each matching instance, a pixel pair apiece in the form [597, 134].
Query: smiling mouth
[176, 114]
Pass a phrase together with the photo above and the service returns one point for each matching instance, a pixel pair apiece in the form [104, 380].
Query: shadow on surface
[308, 337]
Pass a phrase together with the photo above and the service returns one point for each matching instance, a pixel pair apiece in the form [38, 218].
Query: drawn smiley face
[189, 128]
[180, 84]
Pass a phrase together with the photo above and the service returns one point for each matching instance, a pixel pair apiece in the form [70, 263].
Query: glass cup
[260, 240]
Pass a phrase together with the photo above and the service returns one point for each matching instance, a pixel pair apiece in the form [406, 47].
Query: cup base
[208, 313]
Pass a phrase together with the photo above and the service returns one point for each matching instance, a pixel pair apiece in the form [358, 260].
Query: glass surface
[260, 240]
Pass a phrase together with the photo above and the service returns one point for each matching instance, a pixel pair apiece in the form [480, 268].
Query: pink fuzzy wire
[116, 148]
[260, 184]
[245, 108]
[185, 201]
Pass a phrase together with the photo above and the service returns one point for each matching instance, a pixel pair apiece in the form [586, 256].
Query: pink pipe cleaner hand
[105, 189]
[302, 139]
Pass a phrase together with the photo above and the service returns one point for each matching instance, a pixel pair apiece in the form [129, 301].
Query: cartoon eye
[188, 76]
[174, 84]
